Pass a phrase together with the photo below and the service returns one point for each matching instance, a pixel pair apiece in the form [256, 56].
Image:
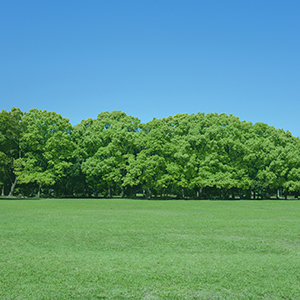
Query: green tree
[110, 142]
[10, 130]
[46, 148]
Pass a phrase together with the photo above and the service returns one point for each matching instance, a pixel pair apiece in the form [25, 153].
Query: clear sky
[153, 58]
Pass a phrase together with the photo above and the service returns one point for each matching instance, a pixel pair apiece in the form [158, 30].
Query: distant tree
[10, 131]
[46, 148]
[110, 142]
[187, 156]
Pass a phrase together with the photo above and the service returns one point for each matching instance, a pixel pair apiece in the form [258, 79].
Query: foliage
[46, 147]
[184, 156]
[10, 131]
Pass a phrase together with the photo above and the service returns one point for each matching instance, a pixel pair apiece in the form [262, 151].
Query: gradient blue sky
[153, 58]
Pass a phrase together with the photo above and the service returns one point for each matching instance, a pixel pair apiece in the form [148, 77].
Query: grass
[138, 249]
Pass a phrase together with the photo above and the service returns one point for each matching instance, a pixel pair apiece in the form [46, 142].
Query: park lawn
[140, 249]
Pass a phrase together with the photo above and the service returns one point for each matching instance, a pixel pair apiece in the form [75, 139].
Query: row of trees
[185, 156]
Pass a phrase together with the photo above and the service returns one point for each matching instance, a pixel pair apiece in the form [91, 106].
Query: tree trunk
[248, 194]
[149, 193]
[108, 193]
[2, 192]
[222, 194]
[133, 191]
[12, 188]
[232, 195]
[39, 191]
[16, 178]
[279, 193]
[122, 191]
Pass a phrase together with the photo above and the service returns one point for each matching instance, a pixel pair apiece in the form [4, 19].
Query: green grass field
[139, 249]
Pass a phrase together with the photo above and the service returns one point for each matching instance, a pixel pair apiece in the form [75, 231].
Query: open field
[138, 249]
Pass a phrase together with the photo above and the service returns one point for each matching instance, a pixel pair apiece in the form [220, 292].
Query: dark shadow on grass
[3, 198]
[20, 198]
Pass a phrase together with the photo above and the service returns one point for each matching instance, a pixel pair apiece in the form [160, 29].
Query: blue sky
[153, 58]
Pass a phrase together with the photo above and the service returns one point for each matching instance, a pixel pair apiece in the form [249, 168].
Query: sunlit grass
[138, 249]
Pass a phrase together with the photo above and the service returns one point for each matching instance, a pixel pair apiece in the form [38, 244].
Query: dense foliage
[186, 156]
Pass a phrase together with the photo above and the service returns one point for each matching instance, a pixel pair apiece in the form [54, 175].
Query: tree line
[196, 156]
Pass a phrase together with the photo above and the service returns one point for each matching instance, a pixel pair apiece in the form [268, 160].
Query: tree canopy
[195, 156]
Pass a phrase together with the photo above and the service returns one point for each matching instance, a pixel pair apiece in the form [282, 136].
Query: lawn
[139, 249]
